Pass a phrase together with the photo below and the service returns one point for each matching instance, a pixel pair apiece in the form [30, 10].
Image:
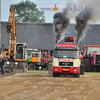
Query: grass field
[92, 72]
[44, 70]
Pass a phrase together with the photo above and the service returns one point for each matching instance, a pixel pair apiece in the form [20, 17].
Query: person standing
[2, 63]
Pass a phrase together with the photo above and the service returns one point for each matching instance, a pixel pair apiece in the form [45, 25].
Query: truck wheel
[82, 61]
[56, 75]
[87, 65]
[76, 75]
[98, 69]
[31, 66]
[82, 67]
[81, 70]
[93, 69]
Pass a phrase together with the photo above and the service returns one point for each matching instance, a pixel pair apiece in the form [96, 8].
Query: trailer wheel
[87, 65]
[31, 66]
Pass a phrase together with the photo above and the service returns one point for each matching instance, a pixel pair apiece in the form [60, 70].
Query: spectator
[1, 63]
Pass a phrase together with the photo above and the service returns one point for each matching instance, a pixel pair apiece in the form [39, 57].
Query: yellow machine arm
[12, 33]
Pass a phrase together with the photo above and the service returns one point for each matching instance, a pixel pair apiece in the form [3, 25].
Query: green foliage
[26, 11]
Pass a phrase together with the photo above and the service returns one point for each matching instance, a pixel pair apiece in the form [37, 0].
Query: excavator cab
[21, 51]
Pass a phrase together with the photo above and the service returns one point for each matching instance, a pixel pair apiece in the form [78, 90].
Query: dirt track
[39, 86]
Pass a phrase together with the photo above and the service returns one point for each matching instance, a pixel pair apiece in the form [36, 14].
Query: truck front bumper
[66, 70]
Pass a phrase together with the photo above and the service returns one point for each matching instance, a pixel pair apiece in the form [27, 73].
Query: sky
[5, 5]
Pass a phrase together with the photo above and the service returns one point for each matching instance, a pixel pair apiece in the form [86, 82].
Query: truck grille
[97, 59]
[65, 63]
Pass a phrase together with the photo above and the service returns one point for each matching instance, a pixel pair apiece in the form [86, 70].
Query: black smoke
[81, 22]
[60, 23]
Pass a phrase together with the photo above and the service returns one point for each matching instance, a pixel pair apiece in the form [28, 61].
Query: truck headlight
[56, 69]
[75, 69]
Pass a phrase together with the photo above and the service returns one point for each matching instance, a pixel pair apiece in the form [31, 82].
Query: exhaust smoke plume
[81, 22]
[60, 23]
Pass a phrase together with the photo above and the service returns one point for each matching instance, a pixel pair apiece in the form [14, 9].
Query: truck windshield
[66, 54]
[93, 50]
[34, 54]
[45, 55]
[29, 52]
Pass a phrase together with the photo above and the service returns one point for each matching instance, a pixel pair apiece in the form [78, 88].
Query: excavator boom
[11, 32]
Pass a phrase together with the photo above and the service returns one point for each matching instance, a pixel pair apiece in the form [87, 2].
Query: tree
[26, 11]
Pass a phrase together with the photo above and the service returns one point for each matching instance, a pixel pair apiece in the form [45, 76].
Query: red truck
[45, 56]
[91, 57]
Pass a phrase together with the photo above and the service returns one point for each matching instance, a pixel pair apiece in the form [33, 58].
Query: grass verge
[92, 72]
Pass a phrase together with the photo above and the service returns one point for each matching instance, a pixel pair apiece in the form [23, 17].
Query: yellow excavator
[17, 52]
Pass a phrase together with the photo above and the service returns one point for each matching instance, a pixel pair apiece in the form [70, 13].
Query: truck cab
[34, 60]
[45, 56]
[66, 60]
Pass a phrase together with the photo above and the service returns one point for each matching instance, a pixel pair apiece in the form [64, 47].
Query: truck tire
[98, 69]
[94, 69]
[56, 75]
[87, 65]
[31, 66]
[82, 67]
[82, 61]
[81, 70]
[76, 75]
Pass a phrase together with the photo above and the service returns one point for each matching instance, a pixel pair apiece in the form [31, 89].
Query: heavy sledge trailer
[66, 59]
